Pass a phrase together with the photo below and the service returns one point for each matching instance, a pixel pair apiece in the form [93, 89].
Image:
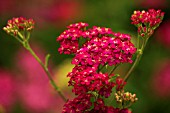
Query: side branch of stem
[139, 54]
[133, 66]
[27, 46]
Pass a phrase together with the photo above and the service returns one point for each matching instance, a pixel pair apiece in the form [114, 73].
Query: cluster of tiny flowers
[78, 104]
[96, 31]
[120, 83]
[16, 25]
[85, 79]
[69, 38]
[125, 97]
[105, 50]
[82, 103]
[102, 46]
[147, 21]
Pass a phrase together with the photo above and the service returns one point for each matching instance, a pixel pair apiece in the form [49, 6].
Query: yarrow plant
[98, 51]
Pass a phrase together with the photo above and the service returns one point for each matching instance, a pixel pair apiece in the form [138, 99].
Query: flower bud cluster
[102, 46]
[147, 21]
[16, 25]
[125, 97]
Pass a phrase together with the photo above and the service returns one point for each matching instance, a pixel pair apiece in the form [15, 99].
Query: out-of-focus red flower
[34, 87]
[43, 11]
[163, 34]
[161, 78]
[7, 90]
[6, 6]
[152, 3]
[62, 10]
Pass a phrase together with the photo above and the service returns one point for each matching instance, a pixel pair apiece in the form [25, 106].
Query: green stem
[28, 36]
[24, 41]
[112, 97]
[27, 46]
[138, 42]
[133, 66]
[138, 57]
[114, 68]
[18, 39]
[101, 67]
[46, 60]
[20, 35]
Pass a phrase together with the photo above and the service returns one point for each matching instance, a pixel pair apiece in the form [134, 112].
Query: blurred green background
[150, 80]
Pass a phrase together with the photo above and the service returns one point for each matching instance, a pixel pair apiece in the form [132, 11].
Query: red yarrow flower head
[85, 79]
[69, 38]
[78, 104]
[80, 25]
[147, 21]
[101, 46]
[97, 31]
[19, 24]
[83, 103]
[99, 40]
[106, 49]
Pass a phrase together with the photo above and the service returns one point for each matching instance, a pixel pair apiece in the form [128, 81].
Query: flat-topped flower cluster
[16, 25]
[101, 47]
[147, 21]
